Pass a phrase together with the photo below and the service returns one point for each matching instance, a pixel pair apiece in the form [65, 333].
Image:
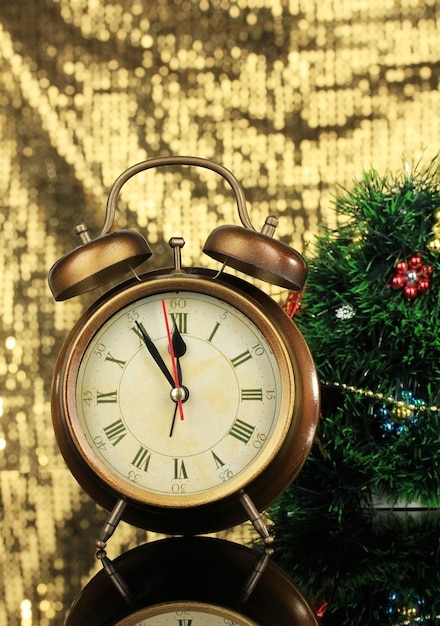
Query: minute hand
[155, 354]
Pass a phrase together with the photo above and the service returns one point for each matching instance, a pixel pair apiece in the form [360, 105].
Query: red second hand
[173, 358]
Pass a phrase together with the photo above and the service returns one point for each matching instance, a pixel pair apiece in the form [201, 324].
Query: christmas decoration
[371, 315]
[413, 277]
[405, 608]
[434, 242]
[397, 417]
[293, 303]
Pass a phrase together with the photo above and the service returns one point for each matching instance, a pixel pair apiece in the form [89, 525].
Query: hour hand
[179, 348]
[155, 354]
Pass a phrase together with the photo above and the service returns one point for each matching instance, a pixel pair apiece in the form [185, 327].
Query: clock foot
[263, 531]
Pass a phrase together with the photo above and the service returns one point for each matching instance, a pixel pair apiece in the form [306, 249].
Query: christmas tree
[359, 528]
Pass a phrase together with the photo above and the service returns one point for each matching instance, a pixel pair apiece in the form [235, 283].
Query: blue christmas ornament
[405, 609]
[397, 416]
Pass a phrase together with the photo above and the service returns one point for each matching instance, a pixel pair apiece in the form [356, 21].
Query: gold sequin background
[294, 96]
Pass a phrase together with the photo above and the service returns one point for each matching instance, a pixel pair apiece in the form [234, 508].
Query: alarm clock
[182, 393]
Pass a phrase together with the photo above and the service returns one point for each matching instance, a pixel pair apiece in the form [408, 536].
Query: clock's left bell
[96, 261]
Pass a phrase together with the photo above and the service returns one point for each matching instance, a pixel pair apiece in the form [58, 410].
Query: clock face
[175, 431]
[186, 614]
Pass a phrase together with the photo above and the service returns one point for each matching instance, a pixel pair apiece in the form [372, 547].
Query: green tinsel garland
[373, 348]
[377, 352]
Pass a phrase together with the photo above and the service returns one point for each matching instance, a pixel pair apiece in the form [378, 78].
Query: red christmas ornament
[410, 292]
[423, 285]
[413, 277]
[321, 609]
[397, 282]
[415, 260]
[293, 303]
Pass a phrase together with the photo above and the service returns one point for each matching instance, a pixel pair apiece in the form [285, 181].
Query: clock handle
[174, 160]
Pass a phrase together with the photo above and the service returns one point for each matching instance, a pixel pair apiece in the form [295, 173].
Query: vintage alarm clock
[192, 581]
[184, 400]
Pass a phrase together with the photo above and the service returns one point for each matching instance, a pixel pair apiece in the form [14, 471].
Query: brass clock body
[236, 410]
[173, 581]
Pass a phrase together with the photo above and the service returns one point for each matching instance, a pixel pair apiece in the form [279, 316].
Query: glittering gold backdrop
[294, 97]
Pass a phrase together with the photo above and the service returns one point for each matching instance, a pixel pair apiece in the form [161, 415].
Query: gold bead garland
[402, 408]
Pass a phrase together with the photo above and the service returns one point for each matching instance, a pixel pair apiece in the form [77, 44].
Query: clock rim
[264, 486]
[131, 296]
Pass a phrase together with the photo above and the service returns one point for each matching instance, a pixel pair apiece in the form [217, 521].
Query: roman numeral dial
[219, 360]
